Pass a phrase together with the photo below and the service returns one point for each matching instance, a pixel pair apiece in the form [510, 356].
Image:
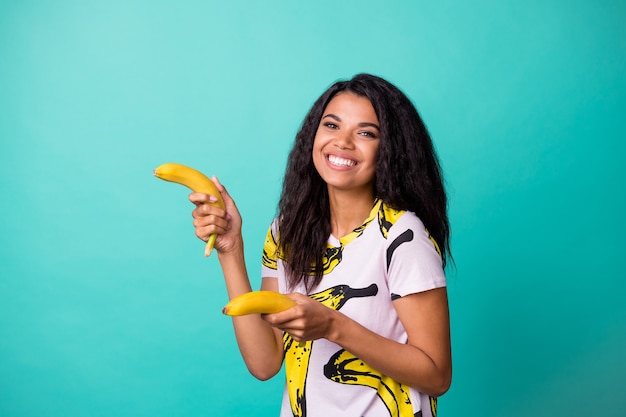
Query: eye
[368, 134]
[330, 125]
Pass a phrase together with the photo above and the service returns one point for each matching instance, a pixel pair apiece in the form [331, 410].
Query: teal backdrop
[107, 304]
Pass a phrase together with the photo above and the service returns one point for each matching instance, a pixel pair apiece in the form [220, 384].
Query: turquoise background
[107, 305]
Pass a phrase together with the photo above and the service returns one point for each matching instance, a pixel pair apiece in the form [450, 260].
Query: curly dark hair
[408, 177]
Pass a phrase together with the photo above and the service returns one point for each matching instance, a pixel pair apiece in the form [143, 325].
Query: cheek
[372, 153]
[319, 144]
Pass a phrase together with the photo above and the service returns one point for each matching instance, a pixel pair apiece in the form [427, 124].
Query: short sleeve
[413, 261]
[269, 267]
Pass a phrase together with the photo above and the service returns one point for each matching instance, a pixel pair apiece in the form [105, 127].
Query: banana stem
[209, 245]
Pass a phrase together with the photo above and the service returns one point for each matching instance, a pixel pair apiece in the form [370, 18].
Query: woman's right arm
[260, 344]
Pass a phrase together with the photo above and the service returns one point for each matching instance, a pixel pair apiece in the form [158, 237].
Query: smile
[342, 162]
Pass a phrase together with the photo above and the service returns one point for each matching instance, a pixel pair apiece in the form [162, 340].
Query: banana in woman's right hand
[258, 302]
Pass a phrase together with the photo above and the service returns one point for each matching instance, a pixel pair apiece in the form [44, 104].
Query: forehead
[350, 104]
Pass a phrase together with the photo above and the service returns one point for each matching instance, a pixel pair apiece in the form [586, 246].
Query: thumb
[227, 198]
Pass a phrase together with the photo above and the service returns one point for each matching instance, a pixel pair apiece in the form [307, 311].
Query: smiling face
[346, 144]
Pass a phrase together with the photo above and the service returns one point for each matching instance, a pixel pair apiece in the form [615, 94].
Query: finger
[227, 198]
[298, 297]
[217, 222]
[203, 233]
[202, 236]
[202, 198]
[204, 210]
[283, 319]
[218, 184]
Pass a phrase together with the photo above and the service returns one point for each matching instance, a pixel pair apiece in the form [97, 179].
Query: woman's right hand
[208, 219]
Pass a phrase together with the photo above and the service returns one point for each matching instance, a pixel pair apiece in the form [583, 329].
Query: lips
[341, 162]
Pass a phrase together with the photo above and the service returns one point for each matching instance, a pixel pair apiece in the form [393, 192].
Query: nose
[343, 140]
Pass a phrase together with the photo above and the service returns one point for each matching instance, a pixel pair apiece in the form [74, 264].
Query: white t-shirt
[391, 255]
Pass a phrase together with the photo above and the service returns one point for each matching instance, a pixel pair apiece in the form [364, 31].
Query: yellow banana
[197, 182]
[258, 302]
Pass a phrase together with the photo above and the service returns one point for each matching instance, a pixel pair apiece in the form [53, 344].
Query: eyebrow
[362, 124]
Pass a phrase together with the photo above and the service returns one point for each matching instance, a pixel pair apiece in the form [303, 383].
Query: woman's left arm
[424, 363]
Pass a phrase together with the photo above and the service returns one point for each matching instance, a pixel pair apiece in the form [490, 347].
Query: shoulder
[413, 260]
[394, 222]
[405, 226]
[270, 246]
[272, 233]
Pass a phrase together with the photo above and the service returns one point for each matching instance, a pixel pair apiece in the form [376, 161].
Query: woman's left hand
[307, 320]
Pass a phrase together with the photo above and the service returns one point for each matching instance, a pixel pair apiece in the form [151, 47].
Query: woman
[360, 243]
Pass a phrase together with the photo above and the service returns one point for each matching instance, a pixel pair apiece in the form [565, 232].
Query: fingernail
[212, 199]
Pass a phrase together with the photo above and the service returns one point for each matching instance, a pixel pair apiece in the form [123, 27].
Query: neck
[348, 210]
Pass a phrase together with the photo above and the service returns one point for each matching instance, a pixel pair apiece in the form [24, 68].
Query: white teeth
[335, 160]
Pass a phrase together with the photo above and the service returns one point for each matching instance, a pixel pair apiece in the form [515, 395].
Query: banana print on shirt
[345, 368]
[297, 354]
[387, 216]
